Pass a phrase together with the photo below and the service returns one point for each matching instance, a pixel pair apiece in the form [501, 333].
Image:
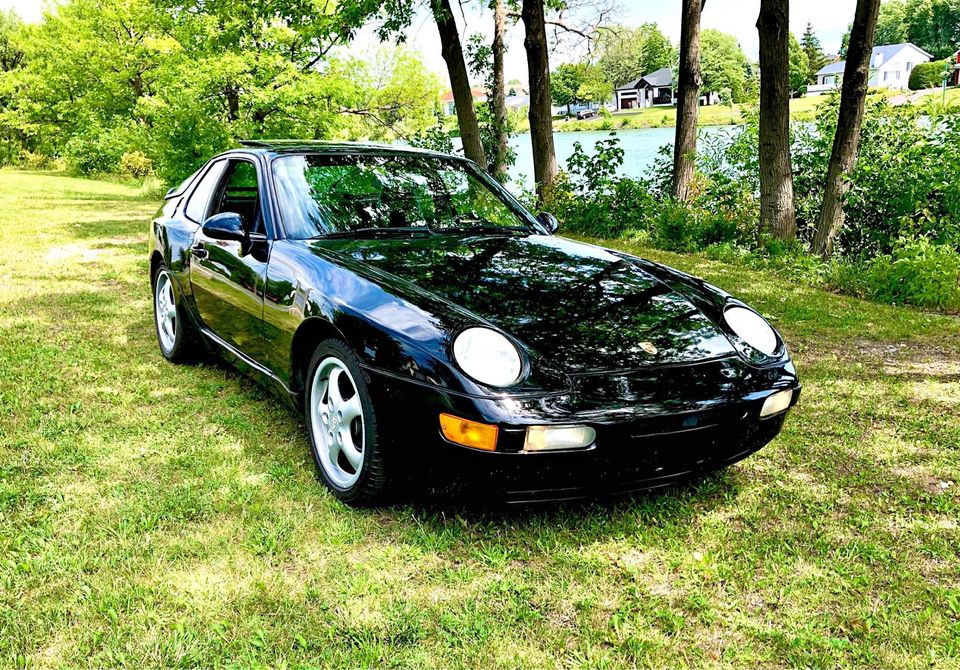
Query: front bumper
[647, 446]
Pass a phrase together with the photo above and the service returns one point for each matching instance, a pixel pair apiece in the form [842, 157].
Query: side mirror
[548, 221]
[226, 226]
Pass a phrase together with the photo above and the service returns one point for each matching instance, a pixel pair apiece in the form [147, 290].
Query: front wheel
[342, 426]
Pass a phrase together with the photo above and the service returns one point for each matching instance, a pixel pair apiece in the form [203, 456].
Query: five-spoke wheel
[342, 425]
[165, 308]
[178, 337]
[337, 422]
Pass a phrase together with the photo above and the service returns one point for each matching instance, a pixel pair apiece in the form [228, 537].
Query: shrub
[593, 199]
[927, 75]
[136, 164]
[918, 272]
[678, 227]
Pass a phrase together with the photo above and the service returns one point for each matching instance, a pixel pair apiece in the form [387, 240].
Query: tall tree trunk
[459, 81]
[777, 212]
[853, 95]
[688, 99]
[541, 114]
[499, 93]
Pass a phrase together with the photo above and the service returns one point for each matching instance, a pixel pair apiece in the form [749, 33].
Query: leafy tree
[565, 82]
[853, 95]
[625, 54]
[173, 82]
[578, 83]
[933, 25]
[799, 65]
[816, 58]
[726, 66]
[892, 24]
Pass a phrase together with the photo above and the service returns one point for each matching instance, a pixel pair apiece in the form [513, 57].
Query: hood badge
[649, 348]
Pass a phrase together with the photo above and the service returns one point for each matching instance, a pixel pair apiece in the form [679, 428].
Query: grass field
[153, 515]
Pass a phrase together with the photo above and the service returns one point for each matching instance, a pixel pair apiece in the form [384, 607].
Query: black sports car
[434, 331]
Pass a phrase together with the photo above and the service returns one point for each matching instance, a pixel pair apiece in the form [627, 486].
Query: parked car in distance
[586, 114]
[437, 335]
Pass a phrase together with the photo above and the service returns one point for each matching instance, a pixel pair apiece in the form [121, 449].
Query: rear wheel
[175, 334]
[342, 425]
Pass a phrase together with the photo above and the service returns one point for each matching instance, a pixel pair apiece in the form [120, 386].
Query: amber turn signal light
[469, 433]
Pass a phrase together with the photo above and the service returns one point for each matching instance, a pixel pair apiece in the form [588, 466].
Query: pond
[640, 147]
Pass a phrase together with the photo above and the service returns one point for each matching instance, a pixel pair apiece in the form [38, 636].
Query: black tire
[186, 345]
[370, 486]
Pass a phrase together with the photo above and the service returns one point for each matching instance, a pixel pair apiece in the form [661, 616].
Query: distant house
[890, 67]
[654, 90]
[650, 90]
[450, 107]
[955, 59]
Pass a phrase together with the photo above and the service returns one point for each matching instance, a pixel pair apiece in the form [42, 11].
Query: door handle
[200, 251]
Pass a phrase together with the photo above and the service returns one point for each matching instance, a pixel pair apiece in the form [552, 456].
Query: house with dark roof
[649, 90]
[654, 90]
[890, 67]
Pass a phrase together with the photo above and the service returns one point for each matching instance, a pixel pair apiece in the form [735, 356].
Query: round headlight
[752, 329]
[487, 356]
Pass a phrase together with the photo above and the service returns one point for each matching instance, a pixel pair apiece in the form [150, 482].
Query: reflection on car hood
[581, 307]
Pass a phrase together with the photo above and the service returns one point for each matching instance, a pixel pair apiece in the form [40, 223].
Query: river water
[640, 147]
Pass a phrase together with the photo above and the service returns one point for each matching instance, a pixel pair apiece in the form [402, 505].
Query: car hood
[582, 308]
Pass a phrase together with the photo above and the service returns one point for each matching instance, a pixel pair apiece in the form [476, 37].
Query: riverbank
[801, 109]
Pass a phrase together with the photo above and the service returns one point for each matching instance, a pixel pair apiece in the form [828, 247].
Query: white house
[655, 90]
[649, 90]
[890, 67]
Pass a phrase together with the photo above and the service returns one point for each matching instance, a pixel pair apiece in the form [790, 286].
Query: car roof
[296, 147]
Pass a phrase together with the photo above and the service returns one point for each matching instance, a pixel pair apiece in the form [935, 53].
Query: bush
[679, 227]
[918, 272]
[592, 198]
[136, 164]
[927, 75]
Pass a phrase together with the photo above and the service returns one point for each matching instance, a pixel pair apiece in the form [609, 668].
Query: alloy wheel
[336, 415]
[166, 311]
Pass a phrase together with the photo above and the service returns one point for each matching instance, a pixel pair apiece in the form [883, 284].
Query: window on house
[886, 75]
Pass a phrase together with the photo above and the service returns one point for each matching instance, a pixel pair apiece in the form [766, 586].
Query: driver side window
[199, 201]
[240, 194]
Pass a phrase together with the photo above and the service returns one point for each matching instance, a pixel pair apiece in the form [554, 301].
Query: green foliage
[928, 75]
[799, 64]
[591, 197]
[178, 81]
[136, 164]
[726, 66]
[434, 138]
[625, 54]
[933, 25]
[918, 271]
[577, 83]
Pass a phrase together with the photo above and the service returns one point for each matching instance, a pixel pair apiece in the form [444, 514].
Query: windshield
[340, 195]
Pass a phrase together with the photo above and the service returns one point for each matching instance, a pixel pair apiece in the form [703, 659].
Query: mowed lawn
[154, 515]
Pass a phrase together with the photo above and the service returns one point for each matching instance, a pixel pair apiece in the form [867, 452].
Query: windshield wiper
[483, 228]
[374, 232]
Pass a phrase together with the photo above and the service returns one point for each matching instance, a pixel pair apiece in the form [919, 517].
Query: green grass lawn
[154, 515]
